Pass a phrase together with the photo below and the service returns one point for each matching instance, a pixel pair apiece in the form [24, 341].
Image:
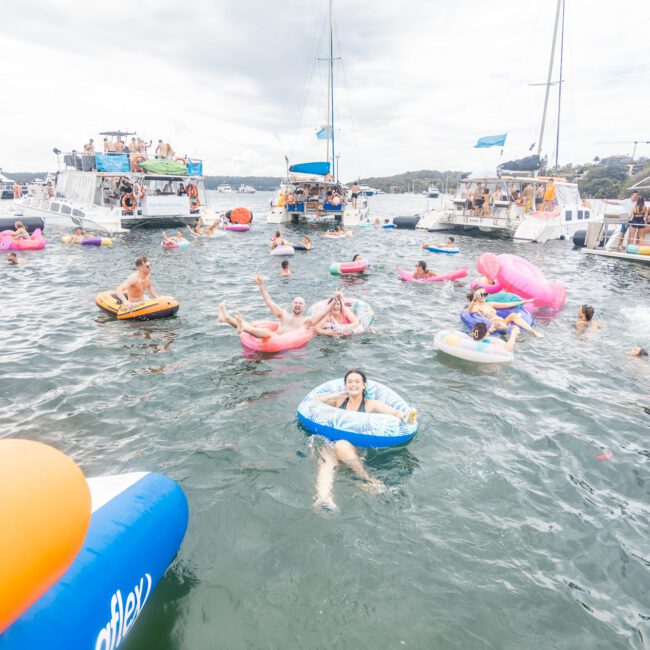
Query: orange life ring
[139, 191]
[195, 204]
[192, 191]
[136, 163]
[128, 202]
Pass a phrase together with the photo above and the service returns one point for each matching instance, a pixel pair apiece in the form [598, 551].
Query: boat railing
[126, 162]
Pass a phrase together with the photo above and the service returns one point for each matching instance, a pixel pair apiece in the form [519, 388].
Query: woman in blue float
[352, 398]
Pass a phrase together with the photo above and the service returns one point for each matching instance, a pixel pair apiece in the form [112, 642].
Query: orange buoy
[45, 510]
[241, 215]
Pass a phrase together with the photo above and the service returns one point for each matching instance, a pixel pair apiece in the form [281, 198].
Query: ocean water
[499, 528]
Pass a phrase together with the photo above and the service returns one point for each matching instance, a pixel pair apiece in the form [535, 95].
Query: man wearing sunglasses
[136, 284]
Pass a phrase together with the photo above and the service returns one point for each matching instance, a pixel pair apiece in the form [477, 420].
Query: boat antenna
[559, 93]
[548, 80]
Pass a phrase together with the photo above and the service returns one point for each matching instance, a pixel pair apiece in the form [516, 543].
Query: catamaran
[246, 189]
[311, 190]
[113, 192]
[518, 202]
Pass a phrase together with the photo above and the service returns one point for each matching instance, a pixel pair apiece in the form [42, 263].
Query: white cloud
[226, 81]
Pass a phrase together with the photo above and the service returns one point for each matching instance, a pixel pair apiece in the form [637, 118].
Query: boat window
[66, 209]
[55, 207]
[568, 215]
[587, 214]
[580, 214]
[78, 213]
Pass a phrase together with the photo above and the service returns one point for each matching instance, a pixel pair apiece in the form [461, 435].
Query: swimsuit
[361, 409]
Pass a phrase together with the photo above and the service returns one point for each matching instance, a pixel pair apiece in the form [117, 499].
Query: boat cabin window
[55, 207]
[66, 209]
[568, 215]
[78, 213]
[580, 214]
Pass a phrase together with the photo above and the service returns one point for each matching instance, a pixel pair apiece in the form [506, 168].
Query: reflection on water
[501, 527]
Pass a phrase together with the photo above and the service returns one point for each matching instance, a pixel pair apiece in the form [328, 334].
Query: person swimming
[451, 243]
[421, 272]
[285, 271]
[586, 319]
[353, 398]
[480, 332]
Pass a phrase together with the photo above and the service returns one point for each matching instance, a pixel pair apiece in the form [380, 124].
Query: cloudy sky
[238, 82]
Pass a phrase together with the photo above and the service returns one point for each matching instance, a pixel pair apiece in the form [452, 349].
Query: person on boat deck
[339, 321]
[586, 319]
[49, 189]
[125, 186]
[480, 332]
[637, 221]
[170, 152]
[527, 196]
[353, 398]
[288, 321]
[133, 145]
[299, 192]
[89, 147]
[549, 196]
[118, 146]
[181, 191]
[161, 150]
[277, 240]
[539, 197]
[109, 147]
[485, 195]
[136, 284]
[478, 305]
[355, 190]
[20, 232]
[421, 272]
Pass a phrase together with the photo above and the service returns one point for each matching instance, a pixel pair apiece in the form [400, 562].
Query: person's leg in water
[520, 322]
[241, 325]
[327, 463]
[346, 453]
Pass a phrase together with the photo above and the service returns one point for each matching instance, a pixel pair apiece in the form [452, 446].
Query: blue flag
[491, 141]
[323, 133]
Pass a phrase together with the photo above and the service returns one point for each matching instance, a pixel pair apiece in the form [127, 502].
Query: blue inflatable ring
[449, 251]
[360, 429]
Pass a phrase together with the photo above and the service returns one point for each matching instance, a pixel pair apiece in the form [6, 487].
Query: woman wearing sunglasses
[478, 305]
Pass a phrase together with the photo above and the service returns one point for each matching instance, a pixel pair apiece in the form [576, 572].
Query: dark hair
[588, 312]
[640, 202]
[277, 233]
[470, 295]
[452, 239]
[479, 331]
[422, 264]
[337, 228]
[642, 352]
[354, 259]
[356, 371]
[285, 264]
[140, 261]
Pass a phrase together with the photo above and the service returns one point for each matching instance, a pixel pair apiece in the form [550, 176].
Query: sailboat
[518, 202]
[311, 190]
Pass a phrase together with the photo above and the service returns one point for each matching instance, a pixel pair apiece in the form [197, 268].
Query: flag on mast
[491, 141]
[323, 133]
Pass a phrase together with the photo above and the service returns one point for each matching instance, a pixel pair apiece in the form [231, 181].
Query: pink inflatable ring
[452, 275]
[277, 342]
[35, 243]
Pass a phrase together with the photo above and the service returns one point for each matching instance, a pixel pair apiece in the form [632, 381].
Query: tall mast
[548, 79]
[559, 93]
[330, 109]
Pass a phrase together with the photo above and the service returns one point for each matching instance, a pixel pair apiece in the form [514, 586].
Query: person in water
[637, 352]
[357, 258]
[136, 285]
[353, 398]
[421, 271]
[480, 332]
[288, 321]
[478, 305]
[285, 271]
[12, 258]
[78, 236]
[451, 243]
[277, 240]
[339, 320]
[306, 242]
[337, 232]
[586, 319]
[175, 239]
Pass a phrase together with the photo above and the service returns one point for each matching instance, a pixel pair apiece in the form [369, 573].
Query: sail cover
[528, 164]
[317, 168]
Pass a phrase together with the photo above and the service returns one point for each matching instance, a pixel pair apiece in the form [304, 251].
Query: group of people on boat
[483, 198]
[638, 219]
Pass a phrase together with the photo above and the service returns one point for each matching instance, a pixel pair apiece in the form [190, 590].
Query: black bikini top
[361, 409]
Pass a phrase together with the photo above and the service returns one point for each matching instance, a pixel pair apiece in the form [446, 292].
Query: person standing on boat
[89, 147]
[627, 205]
[118, 145]
[355, 190]
[161, 150]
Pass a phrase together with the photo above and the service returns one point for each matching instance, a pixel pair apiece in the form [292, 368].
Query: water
[500, 528]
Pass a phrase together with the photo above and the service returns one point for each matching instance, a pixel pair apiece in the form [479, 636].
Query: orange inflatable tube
[45, 513]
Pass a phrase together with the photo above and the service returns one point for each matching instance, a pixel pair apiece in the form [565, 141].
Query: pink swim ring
[277, 342]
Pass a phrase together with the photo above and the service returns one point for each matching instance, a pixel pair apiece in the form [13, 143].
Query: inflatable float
[237, 227]
[118, 533]
[183, 243]
[518, 276]
[469, 320]
[406, 222]
[343, 268]
[88, 241]
[361, 309]
[388, 225]
[442, 249]
[283, 250]
[452, 275]
[360, 429]
[633, 249]
[152, 309]
[459, 345]
[239, 216]
[36, 242]
[277, 342]
[484, 283]
[300, 247]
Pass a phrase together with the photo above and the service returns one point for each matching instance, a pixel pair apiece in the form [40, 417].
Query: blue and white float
[137, 525]
[361, 429]
[443, 249]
